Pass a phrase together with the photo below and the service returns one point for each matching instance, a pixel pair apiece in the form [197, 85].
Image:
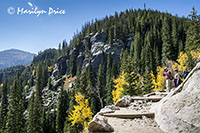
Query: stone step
[153, 99]
[130, 115]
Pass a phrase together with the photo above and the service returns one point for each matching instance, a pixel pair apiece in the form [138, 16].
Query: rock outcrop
[100, 123]
[179, 111]
[124, 101]
[98, 50]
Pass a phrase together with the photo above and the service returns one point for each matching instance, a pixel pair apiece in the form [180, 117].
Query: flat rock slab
[130, 115]
[153, 99]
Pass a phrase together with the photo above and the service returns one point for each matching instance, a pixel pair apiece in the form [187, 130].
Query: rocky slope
[14, 57]
[180, 111]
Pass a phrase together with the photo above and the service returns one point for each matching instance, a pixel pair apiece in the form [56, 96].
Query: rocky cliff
[98, 51]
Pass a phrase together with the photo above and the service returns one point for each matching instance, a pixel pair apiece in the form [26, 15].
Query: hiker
[177, 80]
[185, 73]
[168, 77]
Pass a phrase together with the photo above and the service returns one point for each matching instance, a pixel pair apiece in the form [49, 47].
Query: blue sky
[33, 34]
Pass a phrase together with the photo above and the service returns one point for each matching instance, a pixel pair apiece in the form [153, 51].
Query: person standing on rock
[167, 75]
[177, 80]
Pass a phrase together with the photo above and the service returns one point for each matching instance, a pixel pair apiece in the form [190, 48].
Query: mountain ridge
[14, 57]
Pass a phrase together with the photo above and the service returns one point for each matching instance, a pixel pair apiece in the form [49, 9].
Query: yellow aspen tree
[195, 54]
[159, 83]
[82, 112]
[118, 92]
[182, 62]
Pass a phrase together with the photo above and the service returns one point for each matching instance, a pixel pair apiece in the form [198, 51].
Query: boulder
[124, 101]
[100, 124]
[108, 109]
[179, 111]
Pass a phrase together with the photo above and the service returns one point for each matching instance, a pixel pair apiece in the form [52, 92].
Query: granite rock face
[98, 50]
[179, 111]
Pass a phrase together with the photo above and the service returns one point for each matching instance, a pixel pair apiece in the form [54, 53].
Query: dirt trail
[141, 124]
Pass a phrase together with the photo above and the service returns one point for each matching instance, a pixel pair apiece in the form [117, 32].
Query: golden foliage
[82, 112]
[153, 79]
[195, 54]
[49, 68]
[182, 62]
[159, 81]
[119, 82]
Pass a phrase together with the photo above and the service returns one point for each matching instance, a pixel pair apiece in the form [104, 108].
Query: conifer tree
[131, 87]
[45, 76]
[83, 81]
[62, 107]
[175, 37]
[15, 119]
[30, 121]
[73, 64]
[110, 36]
[137, 51]
[167, 48]
[101, 82]
[38, 109]
[109, 81]
[4, 106]
[148, 82]
[193, 36]
[91, 88]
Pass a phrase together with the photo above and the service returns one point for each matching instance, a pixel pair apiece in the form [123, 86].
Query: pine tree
[4, 106]
[109, 81]
[167, 48]
[73, 64]
[175, 37]
[38, 109]
[193, 36]
[83, 81]
[44, 126]
[101, 82]
[15, 119]
[91, 88]
[62, 107]
[45, 76]
[148, 82]
[110, 36]
[137, 51]
[124, 58]
[30, 121]
[131, 87]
